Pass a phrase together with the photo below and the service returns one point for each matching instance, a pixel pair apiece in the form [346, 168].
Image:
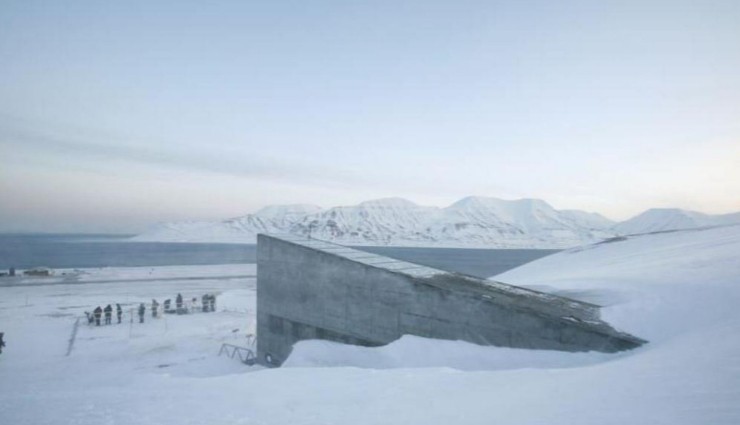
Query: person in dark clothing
[178, 303]
[167, 304]
[204, 300]
[155, 306]
[142, 311]
[119, 312]
[212, 302]
[2, 341]
[108, 313]
[97, 313]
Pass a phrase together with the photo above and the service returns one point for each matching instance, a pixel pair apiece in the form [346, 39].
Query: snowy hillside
[470, 222]
[659, 219]
[678, 290]
[687, 267]
[378, 222]
[523, 223]
[594, 220]
[285, 215]
[236, 230]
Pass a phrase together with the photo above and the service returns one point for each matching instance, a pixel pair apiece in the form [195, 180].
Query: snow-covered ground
[679, 290]
[111, 372]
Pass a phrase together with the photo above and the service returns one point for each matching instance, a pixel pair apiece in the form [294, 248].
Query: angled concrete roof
[485, 288]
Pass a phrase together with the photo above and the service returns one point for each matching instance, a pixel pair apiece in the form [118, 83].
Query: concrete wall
[308, 289]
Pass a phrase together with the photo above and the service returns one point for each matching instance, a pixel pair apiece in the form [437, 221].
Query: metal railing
[245, 355]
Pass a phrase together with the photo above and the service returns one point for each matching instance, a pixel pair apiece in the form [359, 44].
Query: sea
[101, 250]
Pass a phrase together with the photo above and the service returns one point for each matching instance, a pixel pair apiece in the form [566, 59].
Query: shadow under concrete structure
[312, 289]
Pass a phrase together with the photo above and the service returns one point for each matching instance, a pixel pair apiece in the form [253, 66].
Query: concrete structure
[310, 289]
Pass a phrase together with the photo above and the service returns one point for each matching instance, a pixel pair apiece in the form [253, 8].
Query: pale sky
[118, 115]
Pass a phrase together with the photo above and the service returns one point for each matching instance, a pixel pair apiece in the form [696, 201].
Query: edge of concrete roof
[419, 271]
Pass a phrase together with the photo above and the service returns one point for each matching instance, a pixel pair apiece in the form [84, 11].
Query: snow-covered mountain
[523, 223]
[378, 222]
[594, 220]
[235, 230]
[286, 215]
[661, 219]
[470, 222]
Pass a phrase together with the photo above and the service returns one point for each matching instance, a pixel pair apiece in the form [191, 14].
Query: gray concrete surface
[311, 289]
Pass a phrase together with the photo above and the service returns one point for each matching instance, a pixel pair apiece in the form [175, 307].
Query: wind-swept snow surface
[679, 290]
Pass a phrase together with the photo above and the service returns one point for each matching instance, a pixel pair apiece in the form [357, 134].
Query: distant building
[311, 289]
[39, 271]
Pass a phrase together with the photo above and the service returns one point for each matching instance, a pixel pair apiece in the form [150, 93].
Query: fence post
[72, 338]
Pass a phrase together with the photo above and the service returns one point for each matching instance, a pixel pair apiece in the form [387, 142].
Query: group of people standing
[98, 313]
[208, 304]
[141, 310]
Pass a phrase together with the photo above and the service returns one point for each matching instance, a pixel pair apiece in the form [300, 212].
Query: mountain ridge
[661, 219]
[473, 222]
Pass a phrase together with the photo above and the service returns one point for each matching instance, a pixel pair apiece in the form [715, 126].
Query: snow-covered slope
[284, 216]
[660, 219]
[236, 230]
[591, 219]
[679, 290]
[470, 222]
[377, 222]
[620, 271]
[523, 223]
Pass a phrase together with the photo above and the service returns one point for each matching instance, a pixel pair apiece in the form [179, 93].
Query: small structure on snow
[38, 271]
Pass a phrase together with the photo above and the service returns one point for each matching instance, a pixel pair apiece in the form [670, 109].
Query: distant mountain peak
[473, 221]
[662, 219]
